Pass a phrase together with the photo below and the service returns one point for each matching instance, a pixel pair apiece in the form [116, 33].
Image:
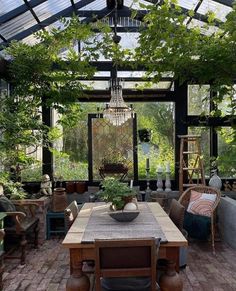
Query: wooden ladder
[191, 163]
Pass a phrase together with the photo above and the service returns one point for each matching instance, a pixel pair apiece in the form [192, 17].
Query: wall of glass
[71, 161]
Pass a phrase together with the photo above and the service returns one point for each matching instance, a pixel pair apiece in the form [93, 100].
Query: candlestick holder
[168, 183]
[148, 190]
[159, 181]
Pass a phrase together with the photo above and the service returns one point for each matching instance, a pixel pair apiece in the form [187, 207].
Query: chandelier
[117, 111]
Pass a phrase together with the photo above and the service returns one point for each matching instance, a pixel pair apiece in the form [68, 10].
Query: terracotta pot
[70, 187]
[80, 187]
[170, 279]
[59, 200]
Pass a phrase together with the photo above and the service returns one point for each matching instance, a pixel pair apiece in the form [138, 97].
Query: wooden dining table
[93, 222]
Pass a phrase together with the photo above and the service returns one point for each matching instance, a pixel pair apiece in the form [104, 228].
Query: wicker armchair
[185, 197]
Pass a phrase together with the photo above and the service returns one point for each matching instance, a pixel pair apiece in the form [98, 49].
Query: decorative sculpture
[46, 186]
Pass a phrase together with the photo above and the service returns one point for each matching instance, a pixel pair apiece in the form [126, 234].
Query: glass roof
[19, 19]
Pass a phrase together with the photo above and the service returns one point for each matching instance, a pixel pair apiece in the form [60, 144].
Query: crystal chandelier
[117, 111]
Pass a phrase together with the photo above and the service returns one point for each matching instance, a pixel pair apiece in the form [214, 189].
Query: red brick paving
[47, 269]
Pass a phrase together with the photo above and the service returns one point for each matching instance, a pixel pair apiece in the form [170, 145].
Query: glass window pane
[226, 160]
[204, 132]
[226, 105]
[189, 4]
[198, 99]
[34, 171]
[159, 117]
[207, 30]
[9, 5]
[17, 25]
[219, 9]
[49, 8]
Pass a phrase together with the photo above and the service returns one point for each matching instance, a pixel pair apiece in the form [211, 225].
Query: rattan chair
[185, 197]
[127, 264]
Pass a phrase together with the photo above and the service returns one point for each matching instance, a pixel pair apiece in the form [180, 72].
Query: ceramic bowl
[124, 216]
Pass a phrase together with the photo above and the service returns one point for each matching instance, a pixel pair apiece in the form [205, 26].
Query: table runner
[102, 226]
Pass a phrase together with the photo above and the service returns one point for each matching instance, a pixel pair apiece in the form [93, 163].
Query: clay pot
[70, 187]
[59, 200]
[80, 187]
[170, 279]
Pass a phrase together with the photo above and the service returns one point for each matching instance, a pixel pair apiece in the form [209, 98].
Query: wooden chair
[25, 222]
[127, 260]
[185, 198]
[71, 213]
[176, 214]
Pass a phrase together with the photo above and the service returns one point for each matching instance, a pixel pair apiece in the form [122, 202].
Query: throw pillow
[201, 203]
[6, 205]
[197, 226]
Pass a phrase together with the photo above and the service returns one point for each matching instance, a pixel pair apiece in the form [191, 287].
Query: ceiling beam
[130, 95]
[73, 6]
[228, 3]
[32, 12]
[3, 38]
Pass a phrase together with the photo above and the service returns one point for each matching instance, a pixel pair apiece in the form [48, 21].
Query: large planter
[59, 200]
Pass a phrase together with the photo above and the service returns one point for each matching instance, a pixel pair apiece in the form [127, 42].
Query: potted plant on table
[118, 193]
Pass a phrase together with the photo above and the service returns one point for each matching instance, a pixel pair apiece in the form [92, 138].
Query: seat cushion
[126, 284]
[6, 205]
[197, 226]
[201, 203]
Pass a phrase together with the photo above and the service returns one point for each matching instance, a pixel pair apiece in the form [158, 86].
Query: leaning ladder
[191, 171]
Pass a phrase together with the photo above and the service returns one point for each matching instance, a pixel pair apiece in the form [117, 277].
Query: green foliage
[45, 75]
[115, 191]
[13, 190]
[168, 45]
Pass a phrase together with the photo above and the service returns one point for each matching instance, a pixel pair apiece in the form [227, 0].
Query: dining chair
[193, 200]
[176, 213]
[70, 214]
[126, 264]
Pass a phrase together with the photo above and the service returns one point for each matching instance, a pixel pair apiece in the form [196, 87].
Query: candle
[131, 184]
[167, 167]
[147, 163]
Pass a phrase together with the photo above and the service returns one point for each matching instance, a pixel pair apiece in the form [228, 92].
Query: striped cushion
[201, 203]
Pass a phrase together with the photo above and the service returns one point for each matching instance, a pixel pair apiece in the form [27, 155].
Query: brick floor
[48, 269]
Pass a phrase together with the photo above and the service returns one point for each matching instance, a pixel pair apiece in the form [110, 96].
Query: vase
[59, 200]
[215, 181]
[170, 279]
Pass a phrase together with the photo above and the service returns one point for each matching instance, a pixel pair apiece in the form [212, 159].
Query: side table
[55, 223]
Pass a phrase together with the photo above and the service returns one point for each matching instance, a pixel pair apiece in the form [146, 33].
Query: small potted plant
[116, 192]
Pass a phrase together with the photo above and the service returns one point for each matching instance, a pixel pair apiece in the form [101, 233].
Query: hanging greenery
[203, 55]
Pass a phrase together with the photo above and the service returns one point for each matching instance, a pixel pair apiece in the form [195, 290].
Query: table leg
[77, 281]
[172, 253]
